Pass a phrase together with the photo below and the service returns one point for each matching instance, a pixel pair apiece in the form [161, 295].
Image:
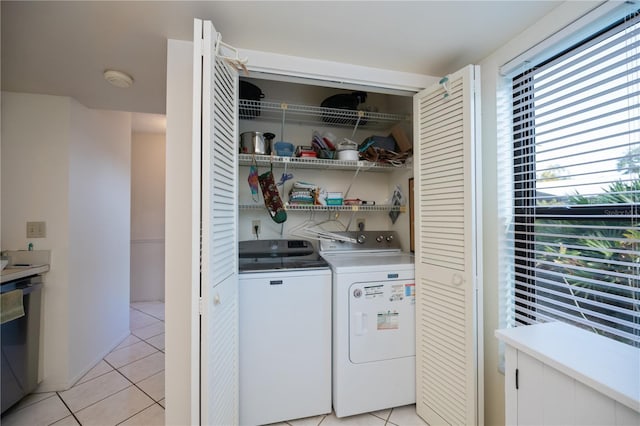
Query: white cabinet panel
[592, 408]
[510, 397]
[626, 416]
[557, 396]
[531, 387]
[547, 383]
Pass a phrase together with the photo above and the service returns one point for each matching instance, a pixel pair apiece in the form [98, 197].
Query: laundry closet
[328, 173]
[440, 119]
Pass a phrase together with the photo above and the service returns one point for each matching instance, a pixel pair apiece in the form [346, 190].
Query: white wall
[99, 232]
[35, 164]
[181, 267]
[147, 216]
[493, 146]
[67, 165]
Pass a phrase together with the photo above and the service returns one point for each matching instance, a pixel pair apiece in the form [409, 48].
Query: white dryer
[373, 322]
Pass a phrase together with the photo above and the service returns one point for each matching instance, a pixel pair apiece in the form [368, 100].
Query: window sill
[610, 367]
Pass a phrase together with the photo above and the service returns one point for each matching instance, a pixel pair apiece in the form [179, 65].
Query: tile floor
[127, 388]
[399, 416]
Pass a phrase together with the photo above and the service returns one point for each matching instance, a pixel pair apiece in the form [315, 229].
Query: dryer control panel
[363, 241]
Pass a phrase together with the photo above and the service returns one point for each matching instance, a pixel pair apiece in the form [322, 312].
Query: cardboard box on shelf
[402, 140]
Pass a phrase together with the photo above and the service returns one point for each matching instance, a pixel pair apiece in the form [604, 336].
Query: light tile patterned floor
[127, 388]
[399, 416]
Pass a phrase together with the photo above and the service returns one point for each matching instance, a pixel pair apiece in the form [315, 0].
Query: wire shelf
[318, 116]
[318, 163]
[343, 208]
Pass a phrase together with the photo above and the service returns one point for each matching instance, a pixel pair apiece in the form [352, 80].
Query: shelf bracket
[284, 108]
[355, 128]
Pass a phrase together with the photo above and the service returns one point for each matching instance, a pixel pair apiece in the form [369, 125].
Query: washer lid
[264, 264]
[269, 255]
[275, 248]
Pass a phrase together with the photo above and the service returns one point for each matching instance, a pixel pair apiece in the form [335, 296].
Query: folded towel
[11, 306]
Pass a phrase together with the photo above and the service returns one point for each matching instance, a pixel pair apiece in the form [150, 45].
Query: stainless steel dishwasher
[21, 342]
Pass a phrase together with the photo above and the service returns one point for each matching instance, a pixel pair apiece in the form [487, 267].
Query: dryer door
[382, 321]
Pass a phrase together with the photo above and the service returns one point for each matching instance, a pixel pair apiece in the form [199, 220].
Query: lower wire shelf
[342, 208]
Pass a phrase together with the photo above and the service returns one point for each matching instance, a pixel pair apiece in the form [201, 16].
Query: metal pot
[254, 143]
[347, 150]
[268, 141]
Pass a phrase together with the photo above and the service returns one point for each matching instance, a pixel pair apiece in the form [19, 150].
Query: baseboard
[46, 386]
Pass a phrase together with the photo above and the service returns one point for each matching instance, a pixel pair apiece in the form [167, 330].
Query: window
[576, 192]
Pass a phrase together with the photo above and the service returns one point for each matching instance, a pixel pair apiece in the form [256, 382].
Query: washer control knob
[390, 238]
[361, 239]
[379, 238]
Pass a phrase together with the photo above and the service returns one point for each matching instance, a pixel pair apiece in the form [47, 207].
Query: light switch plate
[36, 229]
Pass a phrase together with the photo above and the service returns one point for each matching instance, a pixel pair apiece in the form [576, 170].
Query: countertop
[12, 272]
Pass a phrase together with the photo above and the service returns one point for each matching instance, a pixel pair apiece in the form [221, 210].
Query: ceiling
[62, 48]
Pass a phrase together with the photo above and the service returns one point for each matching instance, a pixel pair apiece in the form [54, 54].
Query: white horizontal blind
[576, 165]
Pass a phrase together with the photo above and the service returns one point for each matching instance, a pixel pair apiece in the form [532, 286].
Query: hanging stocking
[272, 199]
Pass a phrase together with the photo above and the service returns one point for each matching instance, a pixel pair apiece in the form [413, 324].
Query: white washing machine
[285, 332]
[373, 322]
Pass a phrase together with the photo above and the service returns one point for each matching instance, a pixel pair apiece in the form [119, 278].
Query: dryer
[373, 322]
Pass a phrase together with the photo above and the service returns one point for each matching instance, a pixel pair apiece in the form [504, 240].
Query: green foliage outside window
[596, 260]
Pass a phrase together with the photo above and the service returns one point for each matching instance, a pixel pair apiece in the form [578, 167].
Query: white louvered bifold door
[448, 368]
[219, 264]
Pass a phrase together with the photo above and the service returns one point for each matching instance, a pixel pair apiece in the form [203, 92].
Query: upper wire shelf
[319, 116]
[318, 163]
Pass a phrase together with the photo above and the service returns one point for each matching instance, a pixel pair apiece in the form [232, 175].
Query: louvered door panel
[223, 402]
[223, 175]
[446, 266]
[444, 364]
[219, 257]
[442, 157]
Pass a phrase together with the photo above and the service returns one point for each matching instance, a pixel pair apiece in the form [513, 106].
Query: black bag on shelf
[346, 101]
[251, 95]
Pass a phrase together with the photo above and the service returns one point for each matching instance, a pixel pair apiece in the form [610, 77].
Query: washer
[373, 356]
[285, 331]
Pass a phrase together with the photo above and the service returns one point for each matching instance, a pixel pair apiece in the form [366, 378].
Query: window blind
[576, 186]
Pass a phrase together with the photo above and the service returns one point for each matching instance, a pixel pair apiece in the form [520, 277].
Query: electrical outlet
[360, 224]
[255, 227]
[36, 229]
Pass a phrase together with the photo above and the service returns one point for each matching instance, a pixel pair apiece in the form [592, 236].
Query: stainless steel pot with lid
[255, 143]
[347, 150]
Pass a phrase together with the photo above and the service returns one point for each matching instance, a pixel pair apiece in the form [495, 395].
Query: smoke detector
[118, 78]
